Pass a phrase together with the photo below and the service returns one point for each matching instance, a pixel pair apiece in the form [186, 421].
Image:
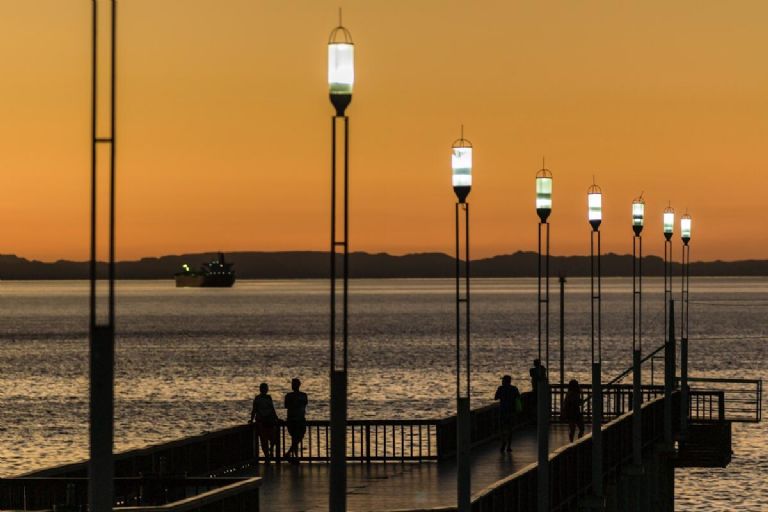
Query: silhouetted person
[264, 418]
[537, 370]
[508, 396]
[296, 406]
[572, 412]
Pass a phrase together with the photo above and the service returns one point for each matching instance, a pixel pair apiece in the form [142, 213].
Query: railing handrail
[628, 370]
[200, 501]
[723, 380]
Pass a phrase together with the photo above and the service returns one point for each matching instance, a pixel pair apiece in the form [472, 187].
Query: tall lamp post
[595, 215]
[638, 220]
[101, 332]
[685, 235]
[461, 167]
[669, 347]
[341, 77]
[543, 209]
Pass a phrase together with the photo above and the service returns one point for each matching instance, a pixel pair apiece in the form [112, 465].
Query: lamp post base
[338, 495]
[542, 431]
[463, 446]
[597, 431]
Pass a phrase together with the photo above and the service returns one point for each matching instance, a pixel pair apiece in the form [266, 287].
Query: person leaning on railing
[296, 406]
[264, 418]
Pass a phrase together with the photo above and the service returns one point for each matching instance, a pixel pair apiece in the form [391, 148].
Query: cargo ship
[216, 274]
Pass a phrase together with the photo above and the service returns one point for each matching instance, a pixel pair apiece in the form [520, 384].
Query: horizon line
[395, 255]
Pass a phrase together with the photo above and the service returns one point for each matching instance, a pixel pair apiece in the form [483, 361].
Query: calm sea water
[190, 360]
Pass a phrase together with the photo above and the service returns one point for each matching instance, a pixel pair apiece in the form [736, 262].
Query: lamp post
[685, 235]
[638, 221]
[669, 347]
[461, 167]
[543, 209]
[341, 77]
[595, 216]
[101, 332]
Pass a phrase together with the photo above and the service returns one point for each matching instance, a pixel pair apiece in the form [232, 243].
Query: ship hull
[204, 281]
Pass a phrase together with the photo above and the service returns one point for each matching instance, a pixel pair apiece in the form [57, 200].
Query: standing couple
[264, 417]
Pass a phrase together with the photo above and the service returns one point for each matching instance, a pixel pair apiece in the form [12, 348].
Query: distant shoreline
[314, 265]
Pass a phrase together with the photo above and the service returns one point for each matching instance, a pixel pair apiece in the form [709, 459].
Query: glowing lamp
[341, 68]
[595, 205]
[669, 222]
[461, 166]
[544, 194]
[638, 215]
[685, 228]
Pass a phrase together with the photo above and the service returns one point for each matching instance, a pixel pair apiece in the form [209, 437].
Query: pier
[410, 464]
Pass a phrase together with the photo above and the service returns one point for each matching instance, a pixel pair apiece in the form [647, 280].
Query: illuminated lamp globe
[638, 215]
[669, 222]
[461, 168]
[341, 68]
[595, 206]
[544, 194]
[685, 228]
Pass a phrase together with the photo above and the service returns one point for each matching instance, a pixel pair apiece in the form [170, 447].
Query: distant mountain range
[314, 264]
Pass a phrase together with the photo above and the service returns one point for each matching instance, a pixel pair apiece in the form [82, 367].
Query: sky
[224, 123]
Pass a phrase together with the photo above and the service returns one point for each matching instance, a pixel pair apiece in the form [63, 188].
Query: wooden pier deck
[396, 486]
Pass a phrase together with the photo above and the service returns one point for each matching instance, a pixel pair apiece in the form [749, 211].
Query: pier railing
[137, 494]
[209, 454]
[741, 400]
[737, 400]
[485, 423]
[397, 440]
[706, 404]
[570, 467]
[369, 441]
[236, 448]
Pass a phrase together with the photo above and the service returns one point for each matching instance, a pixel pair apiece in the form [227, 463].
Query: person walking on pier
[572, 412]
[296, 407]
[508, 397]
[264, 417]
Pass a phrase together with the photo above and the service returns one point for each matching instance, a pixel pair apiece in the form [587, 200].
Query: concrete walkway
[377, 487]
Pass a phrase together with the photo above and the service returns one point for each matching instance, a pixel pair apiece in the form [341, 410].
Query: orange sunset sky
[224, 123]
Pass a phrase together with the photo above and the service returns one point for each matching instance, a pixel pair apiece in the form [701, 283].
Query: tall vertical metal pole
[463, 407]
[339, 362]
[669, 377]
[685, 276]
[101, 326]
[562, 332]
[667, 280]
[597, 389]
[637, 348]
[543, 398]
